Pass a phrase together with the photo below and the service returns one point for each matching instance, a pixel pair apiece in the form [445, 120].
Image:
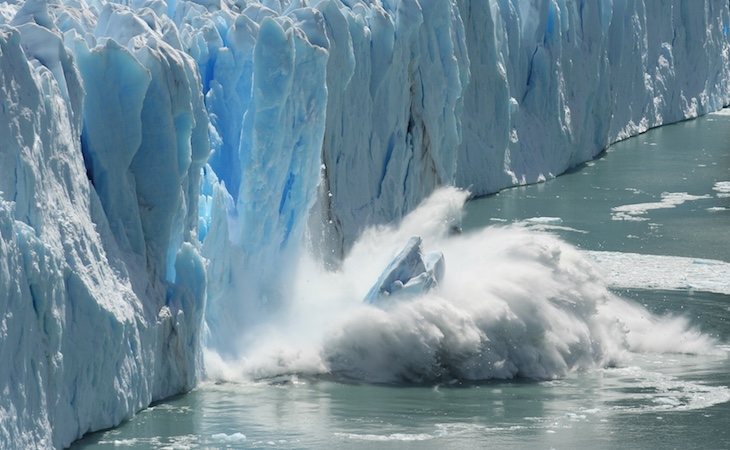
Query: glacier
[101, 279]
[163, 164]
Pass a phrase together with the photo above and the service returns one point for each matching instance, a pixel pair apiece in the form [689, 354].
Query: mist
[514, 303]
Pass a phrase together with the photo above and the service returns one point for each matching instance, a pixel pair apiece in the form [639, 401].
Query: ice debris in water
[410, 273]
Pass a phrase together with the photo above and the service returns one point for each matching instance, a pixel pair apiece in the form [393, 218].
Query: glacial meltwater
[652, 214]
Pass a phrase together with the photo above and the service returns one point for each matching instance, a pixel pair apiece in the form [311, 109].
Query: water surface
[685, 161]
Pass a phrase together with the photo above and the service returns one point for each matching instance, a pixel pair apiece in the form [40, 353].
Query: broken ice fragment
[409, 273]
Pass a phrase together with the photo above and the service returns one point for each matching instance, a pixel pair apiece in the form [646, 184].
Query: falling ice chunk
[409, 273]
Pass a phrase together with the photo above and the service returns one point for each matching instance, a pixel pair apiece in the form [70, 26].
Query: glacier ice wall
[321, 118]
[413, 95]
[102, 285]
[535, 88]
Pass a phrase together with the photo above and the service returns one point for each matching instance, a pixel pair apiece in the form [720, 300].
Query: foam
[513, 303]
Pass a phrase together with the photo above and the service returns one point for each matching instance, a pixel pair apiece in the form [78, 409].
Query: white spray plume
[513, 303]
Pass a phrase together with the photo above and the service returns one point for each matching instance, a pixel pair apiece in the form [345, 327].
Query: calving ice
[170, 171]
[509, 303]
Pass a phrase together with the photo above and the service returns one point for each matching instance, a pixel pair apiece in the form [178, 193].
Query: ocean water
[665, 193]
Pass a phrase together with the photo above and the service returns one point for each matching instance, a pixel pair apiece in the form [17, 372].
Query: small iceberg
[409, 274]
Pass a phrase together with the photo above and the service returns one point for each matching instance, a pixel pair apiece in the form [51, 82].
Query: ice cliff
[102, 286]
[320, 118]
[414, 95]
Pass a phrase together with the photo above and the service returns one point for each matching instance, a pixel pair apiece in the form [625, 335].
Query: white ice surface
[632, 270]
[638, 211]
[385, 101]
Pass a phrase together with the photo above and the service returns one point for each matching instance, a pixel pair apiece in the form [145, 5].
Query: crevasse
[131, 131]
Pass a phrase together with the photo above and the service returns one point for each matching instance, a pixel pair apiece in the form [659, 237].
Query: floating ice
[722, 112]
[232, 438]
[397, 437]
[543, 220]
[663, 272]
[514, 303]
[637, 211]
[722, 188]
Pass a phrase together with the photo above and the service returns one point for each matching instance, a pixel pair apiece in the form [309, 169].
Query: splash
[513, 303]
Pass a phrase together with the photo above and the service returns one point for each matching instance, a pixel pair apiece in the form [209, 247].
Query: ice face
[321, 119]
[481, 95]
[103, 287]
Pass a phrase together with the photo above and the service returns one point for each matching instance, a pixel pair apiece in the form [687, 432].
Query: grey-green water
[652, 401]
[685, 158]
